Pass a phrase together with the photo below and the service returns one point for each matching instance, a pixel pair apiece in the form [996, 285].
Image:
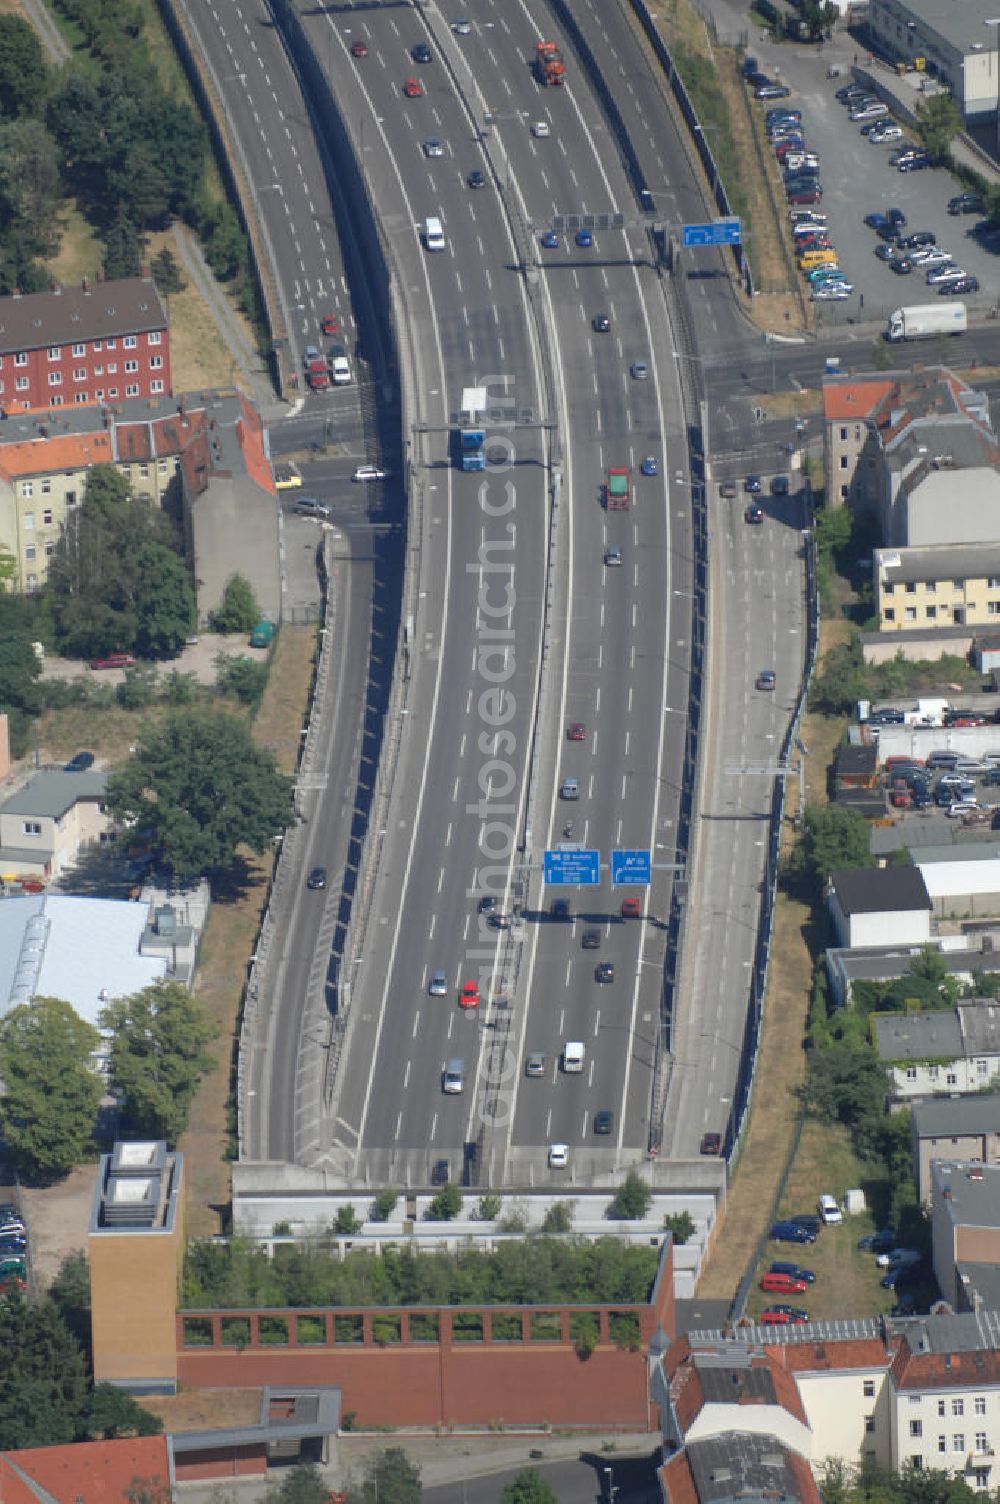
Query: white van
[828, 1209]
[572, 1057]
[340, 370]
[433, 234]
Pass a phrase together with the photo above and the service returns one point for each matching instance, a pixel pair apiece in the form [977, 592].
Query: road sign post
[715, 232]
[576, 866]
[631, 866]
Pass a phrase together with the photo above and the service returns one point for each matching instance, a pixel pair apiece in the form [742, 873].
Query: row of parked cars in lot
[13, 1250]
[911, 251]
[902, 1267]
[815, 252]
[961, 786]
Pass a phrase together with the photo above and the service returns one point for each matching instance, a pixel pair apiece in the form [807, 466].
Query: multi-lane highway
[525, 624]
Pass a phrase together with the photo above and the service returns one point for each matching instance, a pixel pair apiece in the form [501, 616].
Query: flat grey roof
[880, 890]
[50, 794]
[919, 1036]
[883, 963]
[962, 25]
[972, 561]
[984, 1280]
[741, 1465]
[980, 1021]
[933, 832]
[957, 1117]
[37, 320]
[982, 851]
[974, 1191]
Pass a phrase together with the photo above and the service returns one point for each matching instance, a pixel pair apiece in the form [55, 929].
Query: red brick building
[100, 342]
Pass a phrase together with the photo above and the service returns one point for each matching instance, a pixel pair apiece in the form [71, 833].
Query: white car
[885, 133]
[558, 1156]
[832, 292]
[962, 807]
[340, 370]
[462, 27]
[931, 255]
[433, 147]
[946, 273]
[369, 472]
[540, 128]
[829, 1210]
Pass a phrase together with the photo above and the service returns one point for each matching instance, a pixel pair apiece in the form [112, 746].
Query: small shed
[856, 766]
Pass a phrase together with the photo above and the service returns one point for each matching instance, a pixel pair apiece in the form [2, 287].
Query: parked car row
[784, 1278]
[946, 779]
[13, 1250]
[815, 252]
[917, 251]
[902, 1265]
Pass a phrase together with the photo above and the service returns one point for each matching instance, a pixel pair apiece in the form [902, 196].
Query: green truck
[263, 634]
[617, 489]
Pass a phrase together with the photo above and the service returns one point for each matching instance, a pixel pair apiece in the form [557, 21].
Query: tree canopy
[43, 1378]
[528, 1487]
[390, 1478]
[199, 786]
[158, 1057]
[116, 581]
[832, 837]
[238, 610]
[52, 1092]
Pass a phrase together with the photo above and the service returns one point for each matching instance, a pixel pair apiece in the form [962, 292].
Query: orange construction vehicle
[551, 68]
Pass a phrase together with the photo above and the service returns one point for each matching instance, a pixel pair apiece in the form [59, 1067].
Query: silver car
[640, 370]
[438, 984]
[534, 1065]
[433, 147]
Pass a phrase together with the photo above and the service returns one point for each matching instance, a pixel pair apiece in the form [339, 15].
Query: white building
[945, 1051]
[879, 906]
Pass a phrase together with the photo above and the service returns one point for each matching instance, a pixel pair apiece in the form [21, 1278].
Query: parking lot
[858, 178]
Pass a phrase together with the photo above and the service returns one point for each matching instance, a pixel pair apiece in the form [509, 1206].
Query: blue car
[792, 1232]
[584, 239]
[550, 240]
[794, 1271]
[649, 466]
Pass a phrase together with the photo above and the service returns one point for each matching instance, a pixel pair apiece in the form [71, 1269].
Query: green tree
[347, 1222]
[179, 687]
[51, 1091]
[244, 678]
[167, 272]
[832, 838]
[489, 1206]
[680, 1226]
[165, 605]
[123, 247]
[632, 1199]
[138, 689]
[70, 1294]
[939, 121]
[111, 1412]
[238, 610]
[303, 1484]
[24, 74]
[819, 17]
[30, 187]
[446, 1204]
[841, 681]
[845, 1083]
[200, 787]
[43, 1378]
[384, 1205]
[158, 1057]
[528, 1487]
[19, 665]
[558, 1217]
[390, 1478]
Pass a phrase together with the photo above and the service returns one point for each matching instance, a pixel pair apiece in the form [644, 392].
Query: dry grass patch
[229, 941]
[109, 732]
[81, 249]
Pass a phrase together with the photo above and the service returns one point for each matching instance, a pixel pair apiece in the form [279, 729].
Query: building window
[50, 549]
[951, 1079]
[112, 393]
[32, 828]
[161, 466]
[55, 378]
[843, 462]
[934, 1071]
[156, 386]
[942, 1443]
[869, 1423]
[20, 360]
[911, 587]
[54, 352]
[993, 583]
[144, 472]
[979, 1403]
[111, 344]
[46, 488]
[79, 351]
[916, 1428]
[130, 342]
[27, 490]
[21, 384]
[911, 1075]
[958, 1441]
[155, 362]
[982, 1477]
[843, 435]
[868, 1389]
[931, 612]
[55, 400]
[917, 1461]
[941, 1407]
[982, 1069]
[981, 1445]
[930, 585]
[112, 368]
[99, 394]
[910, 613]
[958, 1407]
[98, 345]
[843, 493]
[98, 370]
[131, 366]
[31, 582]
[81, 397]
[79, 373]
[29, 552]
[154, 336]
[47, 517]
[70, 498]
[993, 608]
[132, 389]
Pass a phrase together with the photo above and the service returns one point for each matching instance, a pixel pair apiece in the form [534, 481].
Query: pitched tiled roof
[854, 399]
[824, 1357]
[89, 1472]
[959, 1370]
[64, 452]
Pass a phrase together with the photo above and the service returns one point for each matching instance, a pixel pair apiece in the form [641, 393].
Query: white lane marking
[406, 1075]
[597, 1023]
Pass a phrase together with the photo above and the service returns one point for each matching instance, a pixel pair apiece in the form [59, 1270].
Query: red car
[114, 660]
[805, 196]
[783, 1284]
[413, 88]
[631, 908]
[775, 1316]
[470, 995]
[330, 324]
[359, 49]
[576, 731]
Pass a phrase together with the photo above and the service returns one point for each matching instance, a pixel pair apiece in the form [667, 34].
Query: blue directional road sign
[631, 867]
[716, 232]
[579, 865]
